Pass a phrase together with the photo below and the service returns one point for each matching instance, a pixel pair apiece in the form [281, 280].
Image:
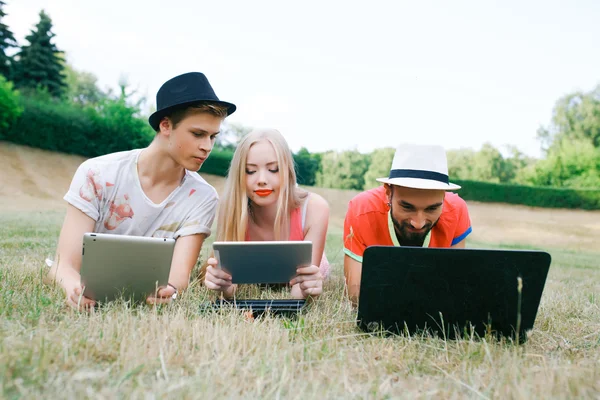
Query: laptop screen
[451, 292]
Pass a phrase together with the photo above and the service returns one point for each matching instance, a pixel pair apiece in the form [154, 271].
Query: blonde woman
[262, 201]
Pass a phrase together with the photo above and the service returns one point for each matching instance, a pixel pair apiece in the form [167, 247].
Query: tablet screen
[262, 262]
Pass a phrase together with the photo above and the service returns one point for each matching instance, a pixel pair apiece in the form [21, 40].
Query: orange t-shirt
[366, 223]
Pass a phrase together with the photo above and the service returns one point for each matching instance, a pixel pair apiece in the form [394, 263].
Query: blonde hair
[236, 208]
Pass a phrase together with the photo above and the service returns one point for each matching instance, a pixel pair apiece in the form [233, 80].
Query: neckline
[139, 183]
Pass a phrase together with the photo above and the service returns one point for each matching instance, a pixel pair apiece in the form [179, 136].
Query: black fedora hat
[182, 91]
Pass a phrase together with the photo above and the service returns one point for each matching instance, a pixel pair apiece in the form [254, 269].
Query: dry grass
[178, 350]
[49, 351]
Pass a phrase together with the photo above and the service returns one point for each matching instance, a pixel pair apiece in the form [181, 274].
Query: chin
[412, 236]
[264, 202]
[192, 167]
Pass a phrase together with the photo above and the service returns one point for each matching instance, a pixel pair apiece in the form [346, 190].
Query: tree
[487, 164]
[82, 87]
[379, 166]
[230, 136]
[127, 96]
[569, 163]
[516, 162]
[460, 163]
[344, 170]
[576, 117]
[307, 166]
[39, 64]
[7, 41]
[10, 109]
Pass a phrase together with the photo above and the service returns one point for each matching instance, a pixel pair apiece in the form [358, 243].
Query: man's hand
[308, 282]
[76, 299]
[164, 295]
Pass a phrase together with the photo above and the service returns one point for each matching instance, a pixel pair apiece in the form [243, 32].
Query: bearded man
[414, 207]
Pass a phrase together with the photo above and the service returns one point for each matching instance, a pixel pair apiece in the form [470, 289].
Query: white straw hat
[420, 167]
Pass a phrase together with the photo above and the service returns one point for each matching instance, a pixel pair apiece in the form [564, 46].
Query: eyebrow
[254, 165]
[199, 130]
[406, 204]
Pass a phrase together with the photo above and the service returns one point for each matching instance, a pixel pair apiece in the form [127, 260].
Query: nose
[418, 221]
[262, 177]
[205, 144]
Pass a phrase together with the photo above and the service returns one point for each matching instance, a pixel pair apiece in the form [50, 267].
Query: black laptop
[451, 293]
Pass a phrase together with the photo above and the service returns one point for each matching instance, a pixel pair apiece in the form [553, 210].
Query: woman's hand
[308, 282]
[164, 295]
[217, 279]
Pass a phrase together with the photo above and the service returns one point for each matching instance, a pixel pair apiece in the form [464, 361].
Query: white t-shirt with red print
[108, 189]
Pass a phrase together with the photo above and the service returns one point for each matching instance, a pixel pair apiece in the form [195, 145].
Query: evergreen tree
[39, 64]
[7, 40]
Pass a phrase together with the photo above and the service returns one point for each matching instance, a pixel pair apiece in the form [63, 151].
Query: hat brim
[156, 117]
[417, 183]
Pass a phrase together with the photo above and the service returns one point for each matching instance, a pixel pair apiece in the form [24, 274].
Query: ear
[389, 191]
[165, 126]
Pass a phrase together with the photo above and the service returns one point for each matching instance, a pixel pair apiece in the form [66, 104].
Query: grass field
[49, 351]
[178, 351]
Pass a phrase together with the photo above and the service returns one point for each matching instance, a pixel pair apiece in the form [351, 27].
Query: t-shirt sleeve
[86, 190]
[200, 220]
[463, 226]
[354, 246]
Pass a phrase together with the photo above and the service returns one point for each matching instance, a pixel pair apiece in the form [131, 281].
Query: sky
[341, 75]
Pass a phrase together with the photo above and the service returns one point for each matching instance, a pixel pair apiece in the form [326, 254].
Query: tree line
[45, 102]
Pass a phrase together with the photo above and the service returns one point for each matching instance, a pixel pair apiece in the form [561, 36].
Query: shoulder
[454, 203]
[198, 184]
[108, 167]
[317, 208]
[373, 200]
[455, 211]
[317, 202]
[110, 161]
[317, 211]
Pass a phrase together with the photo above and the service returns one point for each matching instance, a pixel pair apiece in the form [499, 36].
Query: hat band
[419, 174]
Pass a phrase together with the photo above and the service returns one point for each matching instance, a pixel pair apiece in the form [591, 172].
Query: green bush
[307, 166]
[535, 196]
[58, 126]
[119, 128]
[217, 163]
[10, 109]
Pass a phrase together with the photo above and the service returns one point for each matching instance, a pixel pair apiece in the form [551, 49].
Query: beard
[408, 238]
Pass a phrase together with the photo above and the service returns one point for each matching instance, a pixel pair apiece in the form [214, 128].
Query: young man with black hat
[153, 191]
[414, 207]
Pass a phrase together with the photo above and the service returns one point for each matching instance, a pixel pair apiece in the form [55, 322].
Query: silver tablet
[262, 262]
[128, 266]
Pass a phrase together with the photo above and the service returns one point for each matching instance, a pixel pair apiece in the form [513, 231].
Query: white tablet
[128, 266]
[262, 262]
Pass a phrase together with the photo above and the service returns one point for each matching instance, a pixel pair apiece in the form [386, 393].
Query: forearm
[353, 293]
[185, 257]
[180, 276]
[63, 274]
[353, 274]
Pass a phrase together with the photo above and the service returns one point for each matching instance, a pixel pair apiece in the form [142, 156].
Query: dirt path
[34, 179]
